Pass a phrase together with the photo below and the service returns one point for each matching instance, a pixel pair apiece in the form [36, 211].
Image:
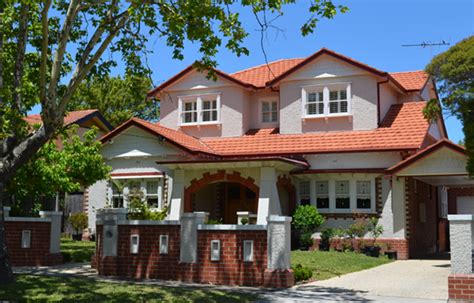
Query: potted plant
[375, 230]
[356, 232]
[306, 220]
[327, 234]
[78, 222]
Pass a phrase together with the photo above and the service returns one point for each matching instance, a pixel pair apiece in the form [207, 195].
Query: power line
[426, 44]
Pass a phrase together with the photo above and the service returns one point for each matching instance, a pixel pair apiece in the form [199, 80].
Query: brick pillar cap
[278, 219]
[50, 213]
[454, 218]
[7, 208]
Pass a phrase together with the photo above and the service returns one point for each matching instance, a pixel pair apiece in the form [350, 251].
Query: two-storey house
[325, 130]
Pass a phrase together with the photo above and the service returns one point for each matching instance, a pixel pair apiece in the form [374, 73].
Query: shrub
[306, 240]
[307, 219]
[326, 235]
[78, 222]
[138, 209]
[357, 229]
[302, 273]
[214, 221]
[375, 229]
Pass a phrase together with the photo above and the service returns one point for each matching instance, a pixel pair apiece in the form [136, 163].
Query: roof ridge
[263, 64]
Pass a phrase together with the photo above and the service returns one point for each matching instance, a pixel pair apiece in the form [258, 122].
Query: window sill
[348, 115]
[200, 124]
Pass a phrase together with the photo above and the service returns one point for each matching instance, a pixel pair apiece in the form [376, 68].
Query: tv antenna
[426, 44]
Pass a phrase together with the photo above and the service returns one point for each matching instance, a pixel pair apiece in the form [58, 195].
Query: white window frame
[304, 196]
[270, 101]
[26, 239]
[249, 256]
[325, 88]
[143, 187]
[134, 248]
[164, 249]
[343, 195]
[369, 195]
[326, 195]
[199, 99]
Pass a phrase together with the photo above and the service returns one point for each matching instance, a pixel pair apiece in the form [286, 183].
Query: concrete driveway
[410, 280]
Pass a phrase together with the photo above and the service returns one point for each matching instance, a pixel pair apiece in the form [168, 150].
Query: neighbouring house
[325, 130]
[85, 120]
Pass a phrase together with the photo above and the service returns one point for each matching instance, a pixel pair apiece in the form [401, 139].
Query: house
[325, 130]
[85, 120]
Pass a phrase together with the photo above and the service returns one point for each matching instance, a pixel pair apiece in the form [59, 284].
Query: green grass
[329, 264]
[61, 289]
[77, 251]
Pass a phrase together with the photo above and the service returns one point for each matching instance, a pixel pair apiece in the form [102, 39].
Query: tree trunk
[6, 273]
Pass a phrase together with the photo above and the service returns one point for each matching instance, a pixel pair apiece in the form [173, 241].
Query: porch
[234, 189]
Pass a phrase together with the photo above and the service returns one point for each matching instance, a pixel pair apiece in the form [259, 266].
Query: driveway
[412, 279]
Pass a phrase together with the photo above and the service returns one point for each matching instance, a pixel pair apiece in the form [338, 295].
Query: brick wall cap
[454, 218]
[27, 219]
[7, 208]
[112, 211]
[471, 276]
[231, 227]
[278, 219]
[148, 222]
[50, 213]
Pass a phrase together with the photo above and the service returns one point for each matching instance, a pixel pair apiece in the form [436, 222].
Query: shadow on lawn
[319, 293]
[44, 288]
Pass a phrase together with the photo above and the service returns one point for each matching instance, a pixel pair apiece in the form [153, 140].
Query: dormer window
[199, 109]
[326, 100]
[269, 111]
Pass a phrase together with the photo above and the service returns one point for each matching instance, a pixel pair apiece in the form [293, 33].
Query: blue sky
[372, 32]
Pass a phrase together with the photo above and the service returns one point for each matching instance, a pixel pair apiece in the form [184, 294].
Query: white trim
[26, 239]
[305, 90]
[199, 98]
[231, 227]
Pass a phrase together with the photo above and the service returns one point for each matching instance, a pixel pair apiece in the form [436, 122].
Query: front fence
[190, 250]
[33, 241]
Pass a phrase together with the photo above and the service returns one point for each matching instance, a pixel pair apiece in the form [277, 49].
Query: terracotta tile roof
[260, 75]
[411, 81]
[404, 128]
[265, 75]
[70, 118]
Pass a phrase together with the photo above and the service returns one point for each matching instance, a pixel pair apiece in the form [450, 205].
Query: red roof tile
[70, 118]
[404, 128]
[411, 81]
[260, 75]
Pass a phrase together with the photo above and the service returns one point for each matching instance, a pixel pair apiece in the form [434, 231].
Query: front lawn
[329, 264]
[56, 289]
[77, 251]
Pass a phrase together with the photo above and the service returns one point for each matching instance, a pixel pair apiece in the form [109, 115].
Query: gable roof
[404, 128]
[411, 81]
[426, 152]
[266, 75]
[73, 117]
[181, 140]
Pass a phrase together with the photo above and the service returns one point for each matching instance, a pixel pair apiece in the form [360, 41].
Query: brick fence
[191, 251]
[33, 241]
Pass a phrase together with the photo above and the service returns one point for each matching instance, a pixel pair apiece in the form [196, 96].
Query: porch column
[268, 200]
[460, 232]
[177, 196]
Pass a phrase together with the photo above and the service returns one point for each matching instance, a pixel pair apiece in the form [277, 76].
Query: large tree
[47, 48]
[453, 71]
[117, 98]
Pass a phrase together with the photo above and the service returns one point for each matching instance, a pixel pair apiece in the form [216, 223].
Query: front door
[238, 198]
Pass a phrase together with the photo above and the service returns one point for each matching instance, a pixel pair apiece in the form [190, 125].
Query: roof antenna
[426, 44]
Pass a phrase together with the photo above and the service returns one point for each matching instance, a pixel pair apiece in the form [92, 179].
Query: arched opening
[222, 195]
[223, 200]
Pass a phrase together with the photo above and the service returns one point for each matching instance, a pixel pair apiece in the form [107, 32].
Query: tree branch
[44, 52]
[20, 57]
[59, 54]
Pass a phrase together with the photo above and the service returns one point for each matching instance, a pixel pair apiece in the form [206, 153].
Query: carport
[436, 183]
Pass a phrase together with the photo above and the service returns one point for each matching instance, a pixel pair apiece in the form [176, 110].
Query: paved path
[422, 279]
[398, 282]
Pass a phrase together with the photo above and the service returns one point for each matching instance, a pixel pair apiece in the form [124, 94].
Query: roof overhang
[282, 163]
[441, 163]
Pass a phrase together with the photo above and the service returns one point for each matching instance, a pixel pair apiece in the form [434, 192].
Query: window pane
[206, 116]
[312, 109]
[343, 106]
[305, 201]
[152, 202]
[343, 202]
[206, 105]
[322, 202]
[274, 106]
[320, 108]
[265, 107]
[188, 106]
[265, 117]
[363, 202]
[333, 95]
[274, 116]
[115, 190]
[304, 188]
[363, 187]
[343, 95]
[214, 115]
[312, 97]
[342, 187]
[152, 188]
[333, 108]
[322, 187]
